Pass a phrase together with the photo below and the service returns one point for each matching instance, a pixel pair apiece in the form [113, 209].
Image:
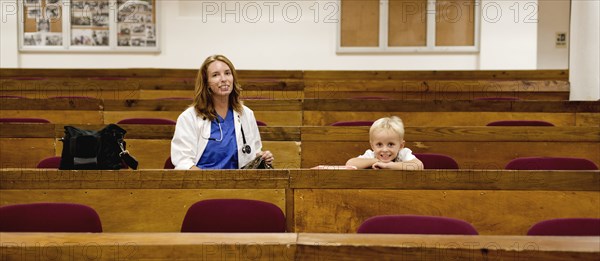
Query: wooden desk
[291, 246]
[435, 247]
[425, 113]
[121, 84]
[95, 111]
[24, 145]
[323, 201]
[147, 246]
[472, 147]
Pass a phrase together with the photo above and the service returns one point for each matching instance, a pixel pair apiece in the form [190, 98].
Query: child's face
[386, 144]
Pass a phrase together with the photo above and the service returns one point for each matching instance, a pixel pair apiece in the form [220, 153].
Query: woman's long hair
[203, 99]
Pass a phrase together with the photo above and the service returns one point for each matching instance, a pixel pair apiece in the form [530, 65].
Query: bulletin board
[88, 25]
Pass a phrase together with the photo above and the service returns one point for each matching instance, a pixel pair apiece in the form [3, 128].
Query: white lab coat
[192, 133]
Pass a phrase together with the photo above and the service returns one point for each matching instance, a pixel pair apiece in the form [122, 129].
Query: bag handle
[126, 157]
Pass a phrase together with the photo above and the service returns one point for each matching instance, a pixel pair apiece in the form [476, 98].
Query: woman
[217, 131]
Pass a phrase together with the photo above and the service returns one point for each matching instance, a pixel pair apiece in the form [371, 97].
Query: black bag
[87, 149]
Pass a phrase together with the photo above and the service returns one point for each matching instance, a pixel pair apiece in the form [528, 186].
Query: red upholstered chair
[550, 163]
[169, 164]
[520, 123]
[154, 121]
[49, 163]
[233, 216]
[436, 161]
[412, 224]
[49, 217]
[353, 123]
[566, 227]
[23, 120]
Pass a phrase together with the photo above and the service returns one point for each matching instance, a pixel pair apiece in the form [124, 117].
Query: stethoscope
[245, 148]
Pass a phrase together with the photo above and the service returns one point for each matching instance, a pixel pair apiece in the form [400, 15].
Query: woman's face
[220, 79]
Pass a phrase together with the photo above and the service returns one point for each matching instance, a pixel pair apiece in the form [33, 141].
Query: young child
[387, 148]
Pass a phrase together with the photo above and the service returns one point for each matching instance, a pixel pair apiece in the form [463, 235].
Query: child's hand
[381, 165]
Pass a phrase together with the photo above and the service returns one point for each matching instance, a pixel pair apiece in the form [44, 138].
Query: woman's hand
[267, 156]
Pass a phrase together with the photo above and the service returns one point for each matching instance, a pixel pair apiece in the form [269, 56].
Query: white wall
[8, 34]
[553, 18]
[585, 57]
[508, 35]
[190, 32]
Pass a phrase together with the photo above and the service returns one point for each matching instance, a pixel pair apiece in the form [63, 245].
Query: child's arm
[414, 164]
[361, 163]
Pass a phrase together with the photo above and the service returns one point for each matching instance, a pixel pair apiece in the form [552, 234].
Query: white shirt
[192, 133]
[405, 154]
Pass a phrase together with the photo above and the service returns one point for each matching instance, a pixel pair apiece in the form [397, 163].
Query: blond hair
[393, 123]
[203, 102]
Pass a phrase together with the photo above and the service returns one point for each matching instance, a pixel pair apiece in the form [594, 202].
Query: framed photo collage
[88, 25]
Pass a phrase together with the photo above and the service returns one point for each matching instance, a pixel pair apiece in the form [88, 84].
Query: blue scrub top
[221, 154]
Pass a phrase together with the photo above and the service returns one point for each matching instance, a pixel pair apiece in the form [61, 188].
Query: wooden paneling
[432, 119]
[437, 90]
[25, 152]
[332, 201]
[440, 75]
[471, 147]
[291, 246]
[490, 212]
[144, 201]
[148, 246]
[161, 83]
[140, 210]
[423, 247]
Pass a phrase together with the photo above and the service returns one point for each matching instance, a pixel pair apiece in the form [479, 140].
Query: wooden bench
[495, 202]
[93, 111]
[403, 85]
[472, 147]
[419, 113]
[24, 145]
[323, 201]
[291, 246]
[311, 112]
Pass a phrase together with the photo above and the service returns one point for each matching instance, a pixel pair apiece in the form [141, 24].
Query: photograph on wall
[82, 37]
[32, 39]
[80, 19]
[52, 12]
[100, 37]
[90, 24]
[89, 37]
[34, 12]
[33, 2]
[43, 25]
[135, 21]
[53, 39]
